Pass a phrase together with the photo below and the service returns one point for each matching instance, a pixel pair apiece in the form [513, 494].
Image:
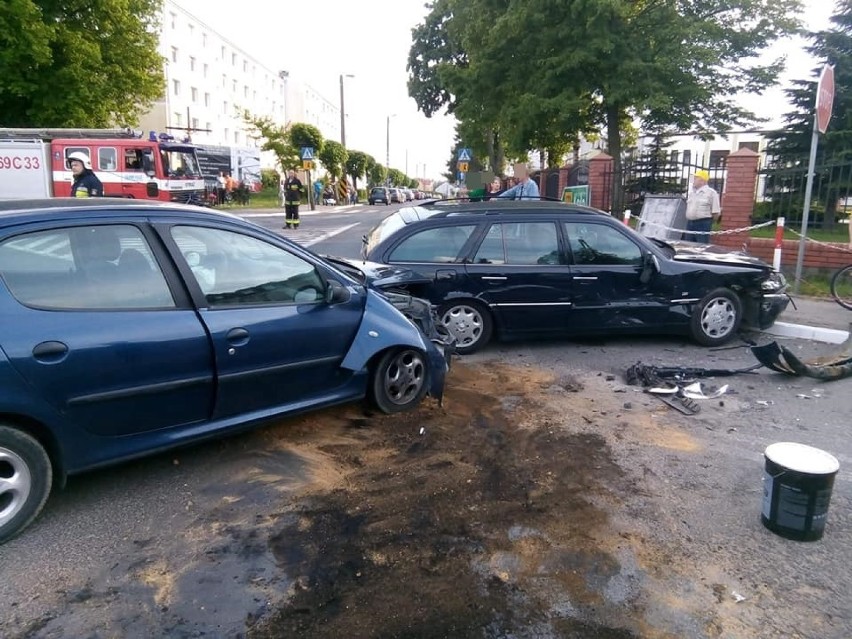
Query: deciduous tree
[78, 64]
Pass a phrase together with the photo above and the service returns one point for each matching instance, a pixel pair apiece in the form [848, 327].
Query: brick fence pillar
[738, 197]
[600, 180]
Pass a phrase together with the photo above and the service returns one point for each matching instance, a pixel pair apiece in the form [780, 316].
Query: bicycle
[841, 287]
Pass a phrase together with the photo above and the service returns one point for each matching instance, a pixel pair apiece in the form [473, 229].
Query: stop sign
[825, 97]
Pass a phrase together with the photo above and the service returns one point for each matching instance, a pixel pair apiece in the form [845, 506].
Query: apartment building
[211, 79]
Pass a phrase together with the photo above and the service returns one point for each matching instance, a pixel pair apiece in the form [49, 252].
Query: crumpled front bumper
[424, 315]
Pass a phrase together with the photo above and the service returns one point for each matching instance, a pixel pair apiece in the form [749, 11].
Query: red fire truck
[34, 164]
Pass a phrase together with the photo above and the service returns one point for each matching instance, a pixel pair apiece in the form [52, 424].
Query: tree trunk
[613, 132]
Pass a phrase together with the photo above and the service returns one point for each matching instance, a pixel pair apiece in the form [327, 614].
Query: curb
[816, 333]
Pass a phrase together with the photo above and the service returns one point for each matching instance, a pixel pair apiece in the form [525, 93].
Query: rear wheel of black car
[25, 479]
[400, 380]
[469, 323]
[716, 318]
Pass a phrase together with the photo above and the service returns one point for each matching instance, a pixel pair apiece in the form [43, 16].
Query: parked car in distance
[130, 328]
[397, 196]
[378, 194]
[536, 268]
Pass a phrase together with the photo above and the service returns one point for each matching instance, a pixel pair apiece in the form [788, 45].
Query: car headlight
[775, 282]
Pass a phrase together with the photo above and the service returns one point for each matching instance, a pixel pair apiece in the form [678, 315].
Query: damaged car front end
[390, 283]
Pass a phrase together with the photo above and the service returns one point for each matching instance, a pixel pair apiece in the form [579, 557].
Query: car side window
[521, 243]
[601, 244]
[107, 267]
[440, 245]
[233, 269]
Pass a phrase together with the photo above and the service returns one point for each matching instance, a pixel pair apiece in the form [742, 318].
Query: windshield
[180, 163]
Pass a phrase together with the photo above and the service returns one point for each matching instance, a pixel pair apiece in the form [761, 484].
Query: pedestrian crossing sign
[307, 153]
[307, 165]
[465, 155]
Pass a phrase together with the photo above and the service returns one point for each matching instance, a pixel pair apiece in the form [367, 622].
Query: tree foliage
[542, 73]
[79, 64]
[356, 165]
[377, 174]
[790, 147]
[333, 156]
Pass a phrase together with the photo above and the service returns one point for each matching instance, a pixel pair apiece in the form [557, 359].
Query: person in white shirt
[702, 207]
[526, 189]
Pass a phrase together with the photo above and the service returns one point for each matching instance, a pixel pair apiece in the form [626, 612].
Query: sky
[318, 40]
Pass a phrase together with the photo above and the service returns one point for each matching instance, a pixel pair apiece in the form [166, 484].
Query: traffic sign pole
[824, 103]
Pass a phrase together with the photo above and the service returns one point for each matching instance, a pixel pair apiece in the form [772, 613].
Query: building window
[245, 91]
[224, 80]
[205, 70]
[195, 123]
[191, 63]
[687, 157]
[225, 107]
[236, 137]
[207, 99]
[234, 86]
[174, 54]
[233, 59]
[178, 119]
[173, 20]
[717, 158]
[194, 93]
[227, 134]
[204, 40]
[754, 146]
[209, 126]
[222, 50]
[245, 66]
[176, 86]
[191, 29]
[673, 157]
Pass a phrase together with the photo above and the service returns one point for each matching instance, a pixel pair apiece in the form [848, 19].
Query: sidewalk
[814, 318]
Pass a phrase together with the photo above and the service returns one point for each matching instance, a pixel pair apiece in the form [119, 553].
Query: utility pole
[343, 110]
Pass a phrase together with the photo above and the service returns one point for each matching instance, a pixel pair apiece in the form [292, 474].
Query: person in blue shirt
[526, 189]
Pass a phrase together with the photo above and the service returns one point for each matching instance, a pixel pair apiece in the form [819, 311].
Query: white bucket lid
[802, 458]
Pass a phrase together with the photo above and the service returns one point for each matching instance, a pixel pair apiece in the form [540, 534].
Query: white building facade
[211, 80]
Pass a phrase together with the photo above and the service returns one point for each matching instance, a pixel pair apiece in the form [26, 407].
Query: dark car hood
[712, 254]
[380, 276]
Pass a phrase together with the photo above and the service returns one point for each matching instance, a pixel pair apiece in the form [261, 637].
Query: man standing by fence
[702, 207]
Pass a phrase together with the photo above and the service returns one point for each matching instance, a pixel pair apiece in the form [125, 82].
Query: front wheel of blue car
[400, 380]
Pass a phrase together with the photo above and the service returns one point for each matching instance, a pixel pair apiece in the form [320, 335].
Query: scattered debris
[737, 596]
[781, 360]
[694, 391]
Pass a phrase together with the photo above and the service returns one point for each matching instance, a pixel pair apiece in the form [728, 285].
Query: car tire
[469, 323]
[400, 380]
[27, 476]
[716, 318]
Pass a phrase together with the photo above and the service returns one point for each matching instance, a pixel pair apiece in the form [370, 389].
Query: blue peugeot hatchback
[132, 328]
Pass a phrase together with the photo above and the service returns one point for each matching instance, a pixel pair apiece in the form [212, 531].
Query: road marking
[313, 239]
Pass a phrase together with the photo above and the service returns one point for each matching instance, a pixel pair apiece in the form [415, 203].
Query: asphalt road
[176, 545]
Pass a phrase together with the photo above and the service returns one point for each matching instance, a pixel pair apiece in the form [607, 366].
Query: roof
[51, 208]
[497, 205]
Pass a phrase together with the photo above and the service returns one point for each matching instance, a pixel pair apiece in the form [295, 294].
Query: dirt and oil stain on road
[529, 505]
[487, 517]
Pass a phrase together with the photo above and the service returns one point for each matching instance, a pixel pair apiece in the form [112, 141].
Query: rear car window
[441, 245]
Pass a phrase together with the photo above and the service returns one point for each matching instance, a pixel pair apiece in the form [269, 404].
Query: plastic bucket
[797, 484]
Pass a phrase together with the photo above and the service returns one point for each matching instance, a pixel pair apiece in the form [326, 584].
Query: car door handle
[237, 336]
[585, 277]
[494, 278]
[445, 275]
[50, 351]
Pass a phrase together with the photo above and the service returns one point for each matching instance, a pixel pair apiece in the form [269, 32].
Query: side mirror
[650, 265]
[337, 293]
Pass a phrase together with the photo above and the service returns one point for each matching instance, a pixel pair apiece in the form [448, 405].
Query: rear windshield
[392, 223]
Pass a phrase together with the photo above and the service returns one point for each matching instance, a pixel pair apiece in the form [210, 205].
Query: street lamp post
[343, 110]
[387, 142]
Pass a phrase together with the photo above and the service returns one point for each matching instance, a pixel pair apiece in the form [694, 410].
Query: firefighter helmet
[80, 157]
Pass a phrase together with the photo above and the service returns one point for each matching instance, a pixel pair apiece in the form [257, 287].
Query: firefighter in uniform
[292, 197]
[86, 183]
